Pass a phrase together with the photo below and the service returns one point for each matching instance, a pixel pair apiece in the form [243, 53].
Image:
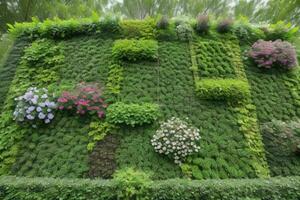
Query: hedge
[132, 114]
[135, 50]
[48, 188]
[222, 89]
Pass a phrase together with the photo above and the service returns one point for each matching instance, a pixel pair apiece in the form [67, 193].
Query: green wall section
[231, 141]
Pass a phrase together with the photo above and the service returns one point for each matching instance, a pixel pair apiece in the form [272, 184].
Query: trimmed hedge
[288, 188]
[135, 50]
[132, 114]
[222, 89]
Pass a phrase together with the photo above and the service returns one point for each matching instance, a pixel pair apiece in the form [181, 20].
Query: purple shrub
[202, 26]
[268, 54]
[225, 26]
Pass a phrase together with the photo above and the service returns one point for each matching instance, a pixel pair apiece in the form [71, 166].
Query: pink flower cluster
[268, 54]
[87, 99]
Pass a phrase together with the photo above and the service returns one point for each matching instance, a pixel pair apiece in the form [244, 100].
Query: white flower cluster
[177, 139]
[35, 104]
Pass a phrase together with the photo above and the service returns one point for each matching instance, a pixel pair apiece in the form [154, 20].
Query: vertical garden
[135, 109]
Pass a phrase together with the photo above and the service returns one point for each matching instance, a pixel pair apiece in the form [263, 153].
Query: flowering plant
[177, 139]
[85, 99]
[35, 104]
[268, 54]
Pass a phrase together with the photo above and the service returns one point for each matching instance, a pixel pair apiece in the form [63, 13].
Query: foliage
[145, 29]
[222, 89]
[281, 140]
[131, 183]
[175, 138]
[42, 53]
[225, 26]
[282, 31]
[132, 114]
[34, 106]
[184, 31]
[203, 24]
[163, 22]
[136, 151]
[246, 32]
[57, 150]
[114, 79]
[6, 44]
[268, 54]
[135, 50]
[86, 99]
[173, 189]
[98, 130]
[8, 68]
[216, 59]
[57, 28]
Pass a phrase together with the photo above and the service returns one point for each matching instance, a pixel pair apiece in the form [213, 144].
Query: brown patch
[102, 160]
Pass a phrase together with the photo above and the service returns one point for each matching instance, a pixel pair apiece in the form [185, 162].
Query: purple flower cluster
[35, 104]
[268, 54]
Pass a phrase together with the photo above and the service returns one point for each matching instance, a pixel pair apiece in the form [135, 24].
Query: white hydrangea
[177, 139]
[35, 104]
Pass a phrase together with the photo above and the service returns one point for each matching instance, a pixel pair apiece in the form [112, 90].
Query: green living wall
[148, 73]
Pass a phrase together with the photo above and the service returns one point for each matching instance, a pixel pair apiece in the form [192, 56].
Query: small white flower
[39, 109]
[50, 116]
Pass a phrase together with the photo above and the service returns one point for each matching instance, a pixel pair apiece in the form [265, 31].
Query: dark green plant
[132, 114]
[222, 89]
[135, 50]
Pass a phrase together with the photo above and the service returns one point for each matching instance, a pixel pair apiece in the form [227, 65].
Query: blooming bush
[35, 105]
[268, 54]
[85, 99]
[177, 139]
[184, 31]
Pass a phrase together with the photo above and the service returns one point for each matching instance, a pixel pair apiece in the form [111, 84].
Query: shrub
[163, 22]
[279, 188]
[222, 89]
[135, 50]
[281, 31]
[184, 31]
[57, 28]
[175, 138]
[131, 183]
[132, 114]
[42, 53]
[35, 106]
[139, 28]
[246, 32]
[202, 25]
[225, 26]
[85, 99]
[268, 54]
